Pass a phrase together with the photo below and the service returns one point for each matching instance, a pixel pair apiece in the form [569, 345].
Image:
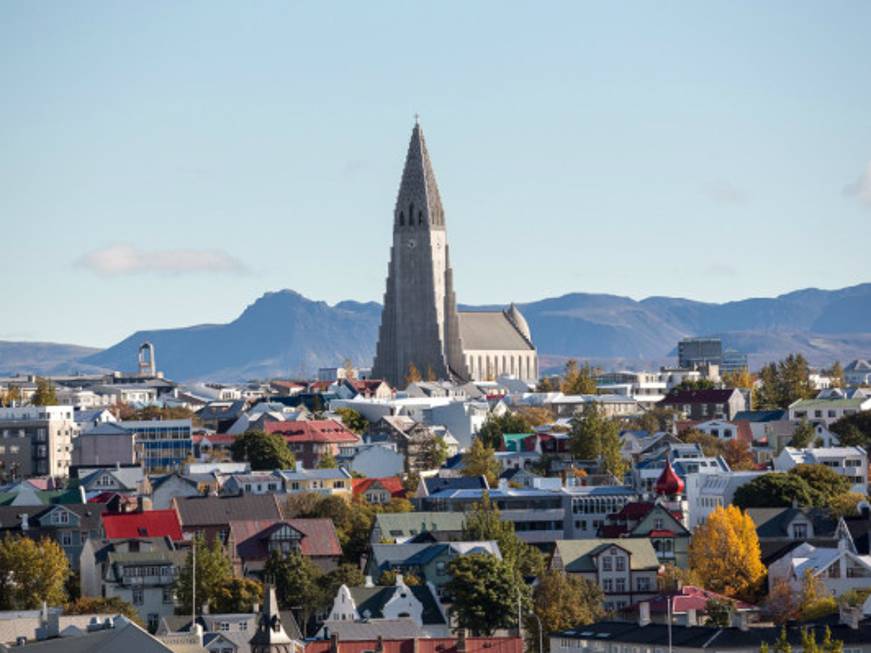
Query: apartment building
[36, 441]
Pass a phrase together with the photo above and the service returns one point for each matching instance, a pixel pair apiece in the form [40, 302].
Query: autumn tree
[213, 571]
[45, 394]
[348, 369]
[484, 593]
[413, 375]
[352, 420]
[594, 436]
[725, 553]
[836, 374]
[495, 426]
[480, 460]
[31, 572]
[561, 601]
[535, 415]
[237, 595]
[434, 453]
[846, 505]
[738, 455]
[102, 605]
[265, 451]
[578, 380]
[389, 576]
[740, 378]
[11, 397]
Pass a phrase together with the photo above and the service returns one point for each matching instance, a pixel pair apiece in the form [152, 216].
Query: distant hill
[286, 334]
[42, 357]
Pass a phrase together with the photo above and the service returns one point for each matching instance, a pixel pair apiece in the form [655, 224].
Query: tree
[740, 378]
[484, 592]
[854, 430]
[352, 420]
[726, 555]
[719, 612]
[846, 505]
[328, 461]
[836, 374]
[413, 375]
[535, 415]
[546, 384]
[102, 605]
[824, 482]
[434, 453]
[738, 455]
[345, 574]
[237, 595]
[213, 571]
[31, 572]
[495, 426]
[348, 367]
[816, 600]
[353, 520]
[578, 380]
[298, 582]
[596, 437]
[774, 490]
[654, 420]
[265, 451]
[671, 578]
[781, 604]
[480, 460]
[802, 436]
[784, 382]
[389, 577]
[430, 374]
[483, 523]
[45, 394]
[561, 601]
[693, 384]
[12, 396]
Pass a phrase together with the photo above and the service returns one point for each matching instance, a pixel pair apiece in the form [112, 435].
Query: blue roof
[438, 484]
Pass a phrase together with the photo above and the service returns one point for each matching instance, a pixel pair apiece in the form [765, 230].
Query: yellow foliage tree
[725, 554]
[738, 379]
[413, 375]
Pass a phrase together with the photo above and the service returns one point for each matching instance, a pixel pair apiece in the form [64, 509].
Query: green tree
[345, 574]
[596, 437]
[854, 430]
[480, 460]
[719, 612]
[694, 384]
[328, 461]
[803, 435]
[483, 523]
[102, 605]
[213, 571]
[237, 595]
[352, 420]
[265, 451]
[784, 382]
[298, 582]
[836, 373]
[824, 482]
[654, 420]
[435, 453]
[578, 380]
[495, 426]
[484, 592]
[389, 576]
[546, 384]
[561, 601]
[353, 520]
[45, 394]
[31, 572]
[775, 490]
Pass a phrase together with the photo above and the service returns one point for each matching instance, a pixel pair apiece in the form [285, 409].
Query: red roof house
[378, 490]
[251, 541]
[147, 523]
[310, 440]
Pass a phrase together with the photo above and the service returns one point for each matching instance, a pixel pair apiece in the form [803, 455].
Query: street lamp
[540, 633]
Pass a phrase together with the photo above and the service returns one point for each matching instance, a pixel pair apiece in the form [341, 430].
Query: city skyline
[149, 187]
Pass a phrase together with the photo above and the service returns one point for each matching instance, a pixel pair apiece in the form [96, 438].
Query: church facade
[421, 327]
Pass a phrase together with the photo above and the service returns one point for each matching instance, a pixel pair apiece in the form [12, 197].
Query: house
[225, 633]
[250, 542]
[587, 507]
[369, 389]
[212, 515]
[36, 441]
[311, 440]
[428, 561]
[164, 444]
[252, 483]
[372, 458]
[89, 418]
[378, 490]
[430, 485]
[839, 568]
[130, 480]
[850, 462]
[706, 492]
[106, 443]
[142, 523]
[109, 635]
[858, 372]
[625, 568]
[164, 488]
[706, 404]
[664, 528]
[403, 526]
[782, 529]
[319, 481]
[417, 602]
[389, 644]
[687, 605]
[69, 525]
[411, 437]
[828, 410]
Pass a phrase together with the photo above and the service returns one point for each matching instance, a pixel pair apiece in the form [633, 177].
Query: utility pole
[194, 581]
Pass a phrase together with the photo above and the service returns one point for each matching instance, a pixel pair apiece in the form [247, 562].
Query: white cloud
[861, 188]
[725, 193]
[125, 259]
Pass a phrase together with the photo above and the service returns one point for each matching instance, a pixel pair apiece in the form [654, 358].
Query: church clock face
[411, 244]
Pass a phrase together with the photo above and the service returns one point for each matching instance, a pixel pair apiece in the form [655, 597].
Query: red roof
[318, 537]
[214, 438]
[148, 523]
[316, 430]
[690, 597]
[392, 484]
[424, 645]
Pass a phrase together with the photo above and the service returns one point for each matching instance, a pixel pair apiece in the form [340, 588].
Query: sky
[164, 164]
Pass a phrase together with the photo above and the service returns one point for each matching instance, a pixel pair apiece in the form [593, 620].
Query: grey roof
[128, 477]
[411, 523]
[219, 511]
[125, 636]
[490, 330]
[373, 629]
[371, 601]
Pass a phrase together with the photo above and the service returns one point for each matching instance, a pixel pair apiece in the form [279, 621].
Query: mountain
[41, 357]
[286, 334]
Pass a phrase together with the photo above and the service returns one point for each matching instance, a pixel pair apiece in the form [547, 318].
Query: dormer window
[799, 531]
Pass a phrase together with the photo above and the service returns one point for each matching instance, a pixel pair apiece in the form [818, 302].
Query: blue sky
[165, 163]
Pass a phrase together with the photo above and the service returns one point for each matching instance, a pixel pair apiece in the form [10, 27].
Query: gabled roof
[713, 396]
[372, 600]
[148, 523]
[250, 536]
[577, 555]
[438, 484]
[405, 524]
[321, 431]
[774, 522]
[203, 511]
[392, 484]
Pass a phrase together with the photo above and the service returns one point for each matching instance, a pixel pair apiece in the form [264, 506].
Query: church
[420, 325]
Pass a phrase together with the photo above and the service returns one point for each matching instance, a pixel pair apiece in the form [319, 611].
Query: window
[167, 595]
[621, 584]
[224, 626]
[799, 531]
[153, 621]
[658, 524]
[138, 597]
[621, 563]
[606, 563]
[66, 539]
[440, 568]
[607, 585]
[243, 625]
[643, 584]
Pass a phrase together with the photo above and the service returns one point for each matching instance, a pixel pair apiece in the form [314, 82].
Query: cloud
[725, 194]
[861, 188]
[124, 259]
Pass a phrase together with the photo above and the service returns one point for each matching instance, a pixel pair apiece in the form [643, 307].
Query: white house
[705, 492]
[851, 462]
[839, 568]
[858, 372]
[827, 410]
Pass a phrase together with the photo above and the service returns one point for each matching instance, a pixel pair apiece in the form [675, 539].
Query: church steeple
[418, 203]
[270, 636]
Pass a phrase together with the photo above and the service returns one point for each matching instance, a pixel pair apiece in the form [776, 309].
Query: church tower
[419, 322]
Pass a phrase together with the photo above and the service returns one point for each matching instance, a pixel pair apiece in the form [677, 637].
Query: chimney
[299, 466]
[255, 608]
[461, 640]
[643, 613]
[334, 643]
[369, 582]
[25, 521]
[379, 644]
[399, 580]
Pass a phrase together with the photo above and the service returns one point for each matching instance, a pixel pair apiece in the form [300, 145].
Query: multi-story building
[706, 404]
[587, 507]
[163, 444]
[36, 441]
[312, 440]
[850, 462]
[696, 352]
[827, 410]
[705, 492]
